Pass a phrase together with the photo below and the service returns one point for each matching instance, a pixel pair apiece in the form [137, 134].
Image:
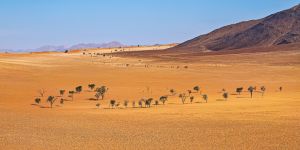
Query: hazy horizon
[31, 24]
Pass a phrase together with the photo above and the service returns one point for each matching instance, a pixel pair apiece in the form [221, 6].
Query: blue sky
[28, 24]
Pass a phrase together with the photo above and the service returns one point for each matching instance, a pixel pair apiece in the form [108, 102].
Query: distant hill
[63, 48]
[279, 28]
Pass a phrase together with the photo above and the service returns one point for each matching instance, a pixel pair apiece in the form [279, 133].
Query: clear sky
[28, 24]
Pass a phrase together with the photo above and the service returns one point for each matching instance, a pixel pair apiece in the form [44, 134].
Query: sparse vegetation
[163, 99]
[92, 86]
[191, 99]
[182, 97]
[239, 90]
[78, 89]
[51, 100]
[225, 95]
[205, 97]
[251, 90]
[62, 92]
[37, 100]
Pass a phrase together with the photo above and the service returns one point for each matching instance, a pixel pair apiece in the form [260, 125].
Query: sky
[26, 24]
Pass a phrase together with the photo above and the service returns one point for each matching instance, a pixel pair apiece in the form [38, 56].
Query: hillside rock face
[280, 28]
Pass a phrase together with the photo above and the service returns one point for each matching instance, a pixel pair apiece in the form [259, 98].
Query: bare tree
[42, 92]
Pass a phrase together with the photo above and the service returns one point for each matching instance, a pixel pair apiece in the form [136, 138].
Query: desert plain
[269, 122]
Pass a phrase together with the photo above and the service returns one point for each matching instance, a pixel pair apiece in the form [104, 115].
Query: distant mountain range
[63, 48]
[277, 29]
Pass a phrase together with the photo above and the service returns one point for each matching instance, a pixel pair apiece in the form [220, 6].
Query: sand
[270, 122]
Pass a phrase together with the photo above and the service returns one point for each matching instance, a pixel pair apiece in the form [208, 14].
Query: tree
[225, 95]
[71, 94]
[197, 88]
[163, 99]
[141, 103]
[98, 105]
[205, 97]
[191, 99]
[190, 92]
[251, 89]
[42, 92]
[62, 92]
[78, 89]
[51, 100]
[101, 91]
[182, 97]
[97, 95]
[173, 92]
[37, 100]
[263, 89]
[239, 90]
[148, 102]
[126, 103]
[112, 103]
[62, 101]
[91, 86]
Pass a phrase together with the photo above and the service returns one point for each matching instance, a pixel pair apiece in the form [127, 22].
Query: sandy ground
[268, 122]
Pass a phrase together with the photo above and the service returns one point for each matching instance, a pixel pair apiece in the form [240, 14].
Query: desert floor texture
[269, 122]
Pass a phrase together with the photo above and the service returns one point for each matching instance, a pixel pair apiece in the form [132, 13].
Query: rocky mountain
[279, 28]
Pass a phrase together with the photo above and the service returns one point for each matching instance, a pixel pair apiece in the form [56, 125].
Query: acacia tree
[148, 102]
[190, 92]
[71, 94]
[141, 103]
[62, 92]
[98, 105]
[101, 91]
[173, 92]
[191, 99]
[92, 86]
[78, 89]
[205, 97]
[251, 90]
[225, 95]
[37, 100]
[112, 103]
[196, 88]
[182, 97]
[163, 99]
[51, 100]
[263, 89]
[126, 103]
[239, 90]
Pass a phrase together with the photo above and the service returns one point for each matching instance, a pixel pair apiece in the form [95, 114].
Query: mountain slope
[280, 28]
